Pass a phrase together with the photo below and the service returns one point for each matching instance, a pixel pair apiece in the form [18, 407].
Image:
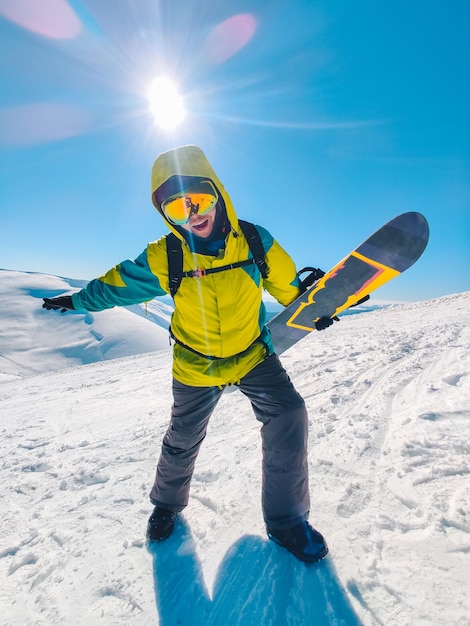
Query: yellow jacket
[219, 318]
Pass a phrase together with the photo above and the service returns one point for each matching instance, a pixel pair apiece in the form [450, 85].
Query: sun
[165, 103]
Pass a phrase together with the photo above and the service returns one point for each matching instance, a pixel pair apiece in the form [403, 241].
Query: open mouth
[201, 225]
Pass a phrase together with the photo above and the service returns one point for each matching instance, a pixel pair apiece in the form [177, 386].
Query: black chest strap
[174, 252]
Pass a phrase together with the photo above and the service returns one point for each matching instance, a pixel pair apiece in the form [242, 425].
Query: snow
[388, 394]
[33, 341]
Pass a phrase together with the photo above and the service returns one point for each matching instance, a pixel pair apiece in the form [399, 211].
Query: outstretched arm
[130, 282]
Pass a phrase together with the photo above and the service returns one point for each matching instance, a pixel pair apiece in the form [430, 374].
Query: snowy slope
[33, 340]
[388, 394]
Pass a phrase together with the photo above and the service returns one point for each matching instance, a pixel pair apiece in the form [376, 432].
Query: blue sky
[323, 120]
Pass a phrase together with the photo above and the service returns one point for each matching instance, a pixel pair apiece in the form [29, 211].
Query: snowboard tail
[384, 255]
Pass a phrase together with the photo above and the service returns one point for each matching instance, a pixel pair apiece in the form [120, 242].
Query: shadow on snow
[257, 584]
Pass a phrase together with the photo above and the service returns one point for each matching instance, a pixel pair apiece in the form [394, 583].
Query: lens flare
[43, 122]
[229, 37]
[57, 21]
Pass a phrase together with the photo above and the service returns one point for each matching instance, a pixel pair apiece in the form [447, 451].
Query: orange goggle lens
[179, 208]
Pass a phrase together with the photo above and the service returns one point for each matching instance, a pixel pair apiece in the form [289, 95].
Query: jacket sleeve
[130, 282]
[282, 281]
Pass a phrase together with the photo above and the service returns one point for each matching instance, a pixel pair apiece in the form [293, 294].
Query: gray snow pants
[282, 413]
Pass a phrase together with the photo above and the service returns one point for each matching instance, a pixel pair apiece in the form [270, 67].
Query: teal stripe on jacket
[130, 282]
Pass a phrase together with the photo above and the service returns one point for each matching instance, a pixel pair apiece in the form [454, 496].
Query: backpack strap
[256, 246]
[174, 252]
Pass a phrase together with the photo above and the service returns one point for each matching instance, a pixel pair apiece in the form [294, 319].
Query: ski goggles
[201, 198]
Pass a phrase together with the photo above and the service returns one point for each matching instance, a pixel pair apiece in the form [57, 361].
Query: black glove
[324, 322]
[64, 303]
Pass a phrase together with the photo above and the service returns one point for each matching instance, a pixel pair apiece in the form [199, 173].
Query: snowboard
[388, 252]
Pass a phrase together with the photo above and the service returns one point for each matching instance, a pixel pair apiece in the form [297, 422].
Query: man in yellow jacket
[220, 339]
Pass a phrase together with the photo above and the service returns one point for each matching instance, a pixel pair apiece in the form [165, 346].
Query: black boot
[160, 524]
[306, 543]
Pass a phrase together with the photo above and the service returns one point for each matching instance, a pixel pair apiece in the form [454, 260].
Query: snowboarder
[220, 339]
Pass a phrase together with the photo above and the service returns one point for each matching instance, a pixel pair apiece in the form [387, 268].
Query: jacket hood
[176, 169]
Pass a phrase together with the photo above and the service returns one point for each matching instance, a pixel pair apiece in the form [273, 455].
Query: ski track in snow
[388, 395]
[401, 462]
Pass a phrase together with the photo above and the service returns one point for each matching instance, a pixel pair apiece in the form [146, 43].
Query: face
[201, 225]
